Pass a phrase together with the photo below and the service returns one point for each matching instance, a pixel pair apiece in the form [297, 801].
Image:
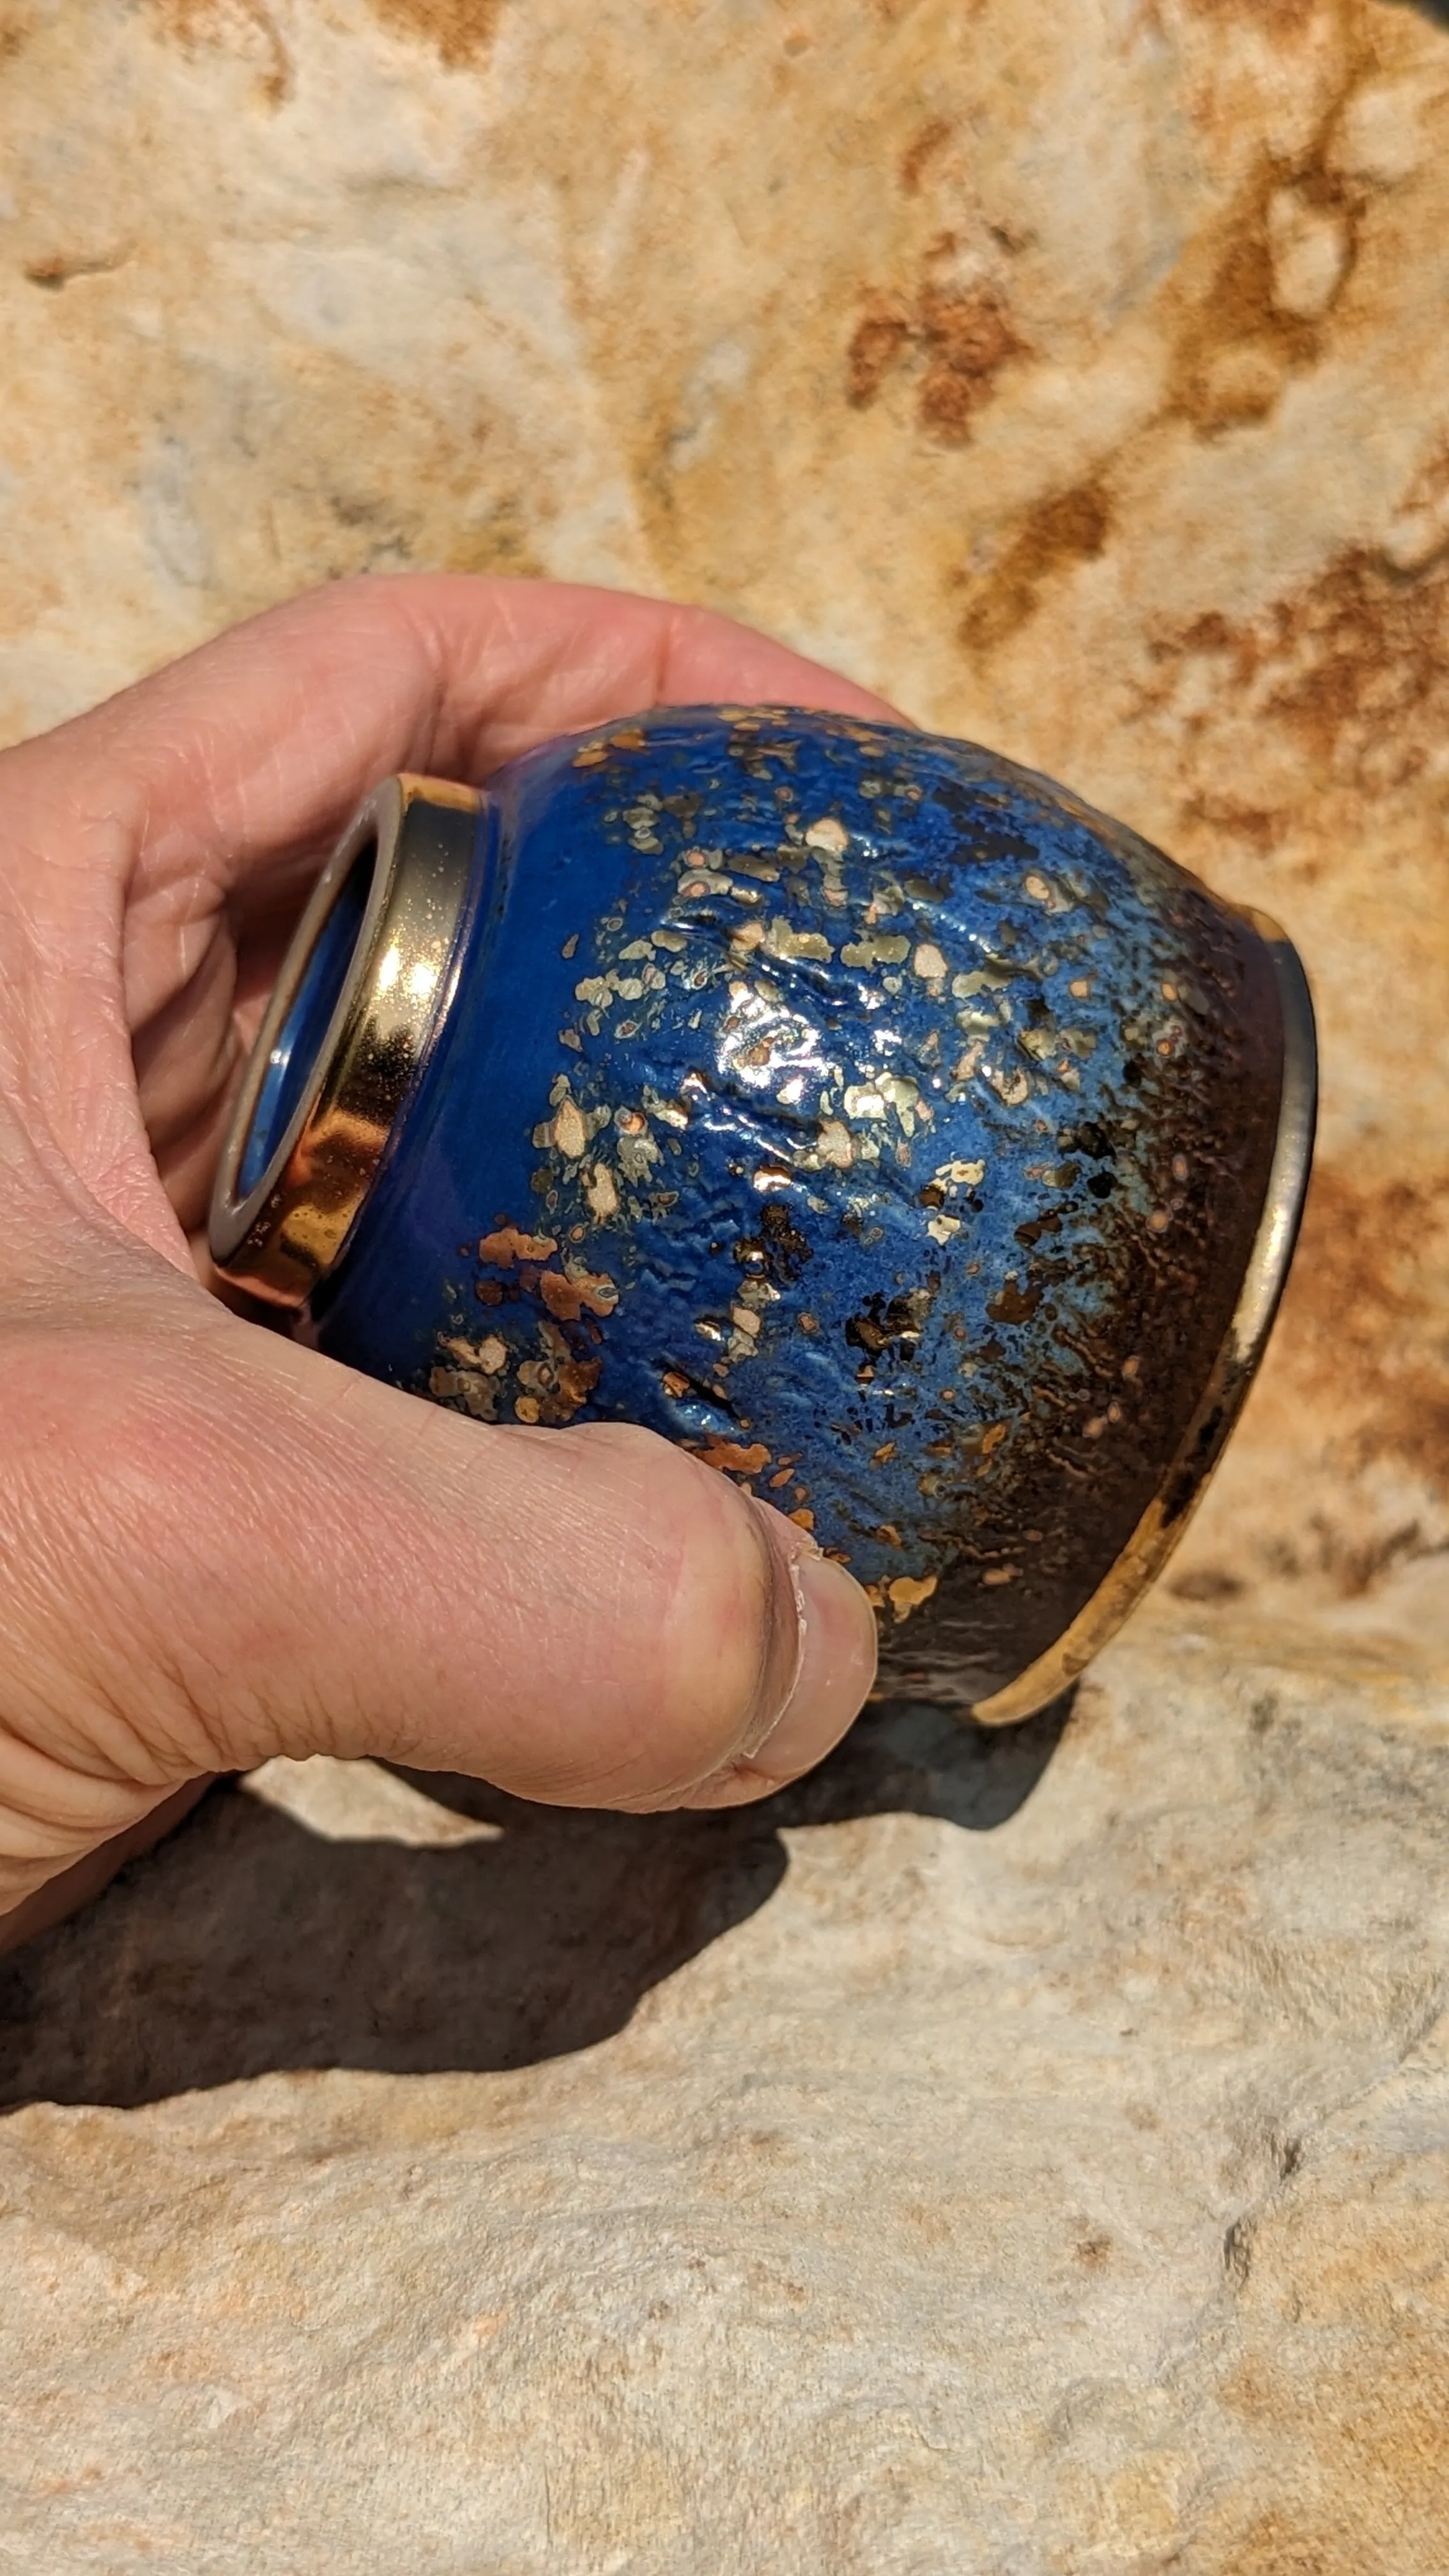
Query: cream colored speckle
[489, 1356]
[876, 948]
[827, 835]
[905, 1099]
[1010, 1085]
[602, 1192]
[783, 940]
[1046, 891]
[569, 1131]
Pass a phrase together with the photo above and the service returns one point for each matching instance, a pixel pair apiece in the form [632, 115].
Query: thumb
[265, 1553]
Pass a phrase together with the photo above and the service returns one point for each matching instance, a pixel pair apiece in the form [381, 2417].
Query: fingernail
[834, 1667]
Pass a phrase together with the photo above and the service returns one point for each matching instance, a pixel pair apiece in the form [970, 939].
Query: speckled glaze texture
[858, 1110]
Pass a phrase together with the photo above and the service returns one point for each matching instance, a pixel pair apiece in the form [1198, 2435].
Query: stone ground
[1019, 2153]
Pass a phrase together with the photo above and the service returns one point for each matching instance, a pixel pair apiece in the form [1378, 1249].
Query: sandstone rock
[1024, 2154]
[1019, 2151]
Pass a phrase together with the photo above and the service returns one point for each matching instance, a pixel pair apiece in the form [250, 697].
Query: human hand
[219, 1546]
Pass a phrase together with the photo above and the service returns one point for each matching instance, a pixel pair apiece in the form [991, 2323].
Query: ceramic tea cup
[850, 1105]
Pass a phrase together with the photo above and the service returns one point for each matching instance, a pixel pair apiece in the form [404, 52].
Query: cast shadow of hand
[247, 1943]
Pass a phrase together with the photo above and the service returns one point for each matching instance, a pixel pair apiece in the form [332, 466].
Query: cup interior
[318, 977]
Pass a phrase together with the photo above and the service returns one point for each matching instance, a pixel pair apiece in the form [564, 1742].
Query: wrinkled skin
[217, 1545]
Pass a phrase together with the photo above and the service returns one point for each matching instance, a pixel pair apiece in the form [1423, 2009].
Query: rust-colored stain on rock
[243, 27]
[1363, 1334]
[460, 31]
[1341, 2376]
[1065, 529]
[1275, 18]
[959, 337]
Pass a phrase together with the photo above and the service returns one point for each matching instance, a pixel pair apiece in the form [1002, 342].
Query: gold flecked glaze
[735, 1144]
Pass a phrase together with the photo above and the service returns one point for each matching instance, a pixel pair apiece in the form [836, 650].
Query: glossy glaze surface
[862, 1112]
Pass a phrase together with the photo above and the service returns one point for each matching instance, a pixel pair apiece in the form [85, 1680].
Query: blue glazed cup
[860, 1110]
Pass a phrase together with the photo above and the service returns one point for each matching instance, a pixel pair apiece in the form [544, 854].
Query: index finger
[255, 748]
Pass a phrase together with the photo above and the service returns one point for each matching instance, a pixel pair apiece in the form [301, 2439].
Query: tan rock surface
[1004, 2152]
[919, 2174]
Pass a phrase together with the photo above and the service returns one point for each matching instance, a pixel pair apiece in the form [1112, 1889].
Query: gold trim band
[283, 1236]
[1182, 1488]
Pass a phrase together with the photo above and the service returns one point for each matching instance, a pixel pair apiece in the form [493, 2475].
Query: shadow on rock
[247, 1944]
